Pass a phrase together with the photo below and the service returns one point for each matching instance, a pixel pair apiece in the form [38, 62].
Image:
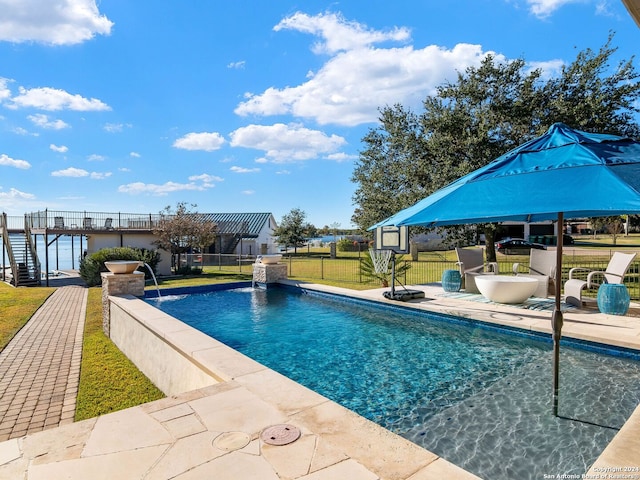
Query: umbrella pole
[556, 319]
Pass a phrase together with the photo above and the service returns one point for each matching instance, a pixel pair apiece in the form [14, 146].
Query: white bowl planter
[122, 266]
[506, 289]
[270, 259]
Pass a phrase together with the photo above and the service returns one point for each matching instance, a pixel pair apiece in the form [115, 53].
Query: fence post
[322, 268]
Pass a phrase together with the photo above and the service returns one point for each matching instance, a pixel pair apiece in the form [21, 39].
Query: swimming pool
[478, 397]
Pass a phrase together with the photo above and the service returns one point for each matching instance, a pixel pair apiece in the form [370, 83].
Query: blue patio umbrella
[563, 173]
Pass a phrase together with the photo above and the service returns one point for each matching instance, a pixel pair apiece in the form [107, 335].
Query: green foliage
[350, 245]
[368, 269]
[182, 230]
[292, 229]
[488, 111]
[92, 265]
[188, 270]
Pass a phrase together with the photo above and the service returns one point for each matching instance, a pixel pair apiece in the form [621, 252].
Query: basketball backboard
[392, 238]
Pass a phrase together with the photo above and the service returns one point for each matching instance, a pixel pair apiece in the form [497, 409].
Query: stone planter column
[263, 274]
[119, 284]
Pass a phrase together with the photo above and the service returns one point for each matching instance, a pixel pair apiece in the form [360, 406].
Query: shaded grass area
[17, 306]
[109, 381]
[210, 275]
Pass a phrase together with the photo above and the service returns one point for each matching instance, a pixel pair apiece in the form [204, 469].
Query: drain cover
[231, 441]
[280, 434]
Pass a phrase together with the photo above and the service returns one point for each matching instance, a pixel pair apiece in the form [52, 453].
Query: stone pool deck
[214, 432]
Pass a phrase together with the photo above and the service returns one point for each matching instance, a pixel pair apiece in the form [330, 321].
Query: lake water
[68, 258]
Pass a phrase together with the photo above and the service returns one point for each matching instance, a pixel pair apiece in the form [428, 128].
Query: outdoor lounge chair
[542, 267]
[87, 222]
[614, 273]
[58, 222]
[471, 263]
[108, 223]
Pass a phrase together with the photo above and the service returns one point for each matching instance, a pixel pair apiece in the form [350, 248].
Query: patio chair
[614, 273]
[108, 223]
[542, 267]
[87, 223]
[58, 222]
[471, 263]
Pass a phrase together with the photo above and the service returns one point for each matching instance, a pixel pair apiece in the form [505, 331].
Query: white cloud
[23, 131]
[358, 79]
[42, 120]
[337, 33]
[61, 22]
[14, 194]
[70, 172]
[549, 68]
[7, 161]
[207, 141]
[94, 157]
[544, 8]
[134, 155]
[5, 93]
[206, 178]
[235, 169]
[46, 98]
[59, 149]
[341, 157]
[115, 127]
[283, 143]
[237, 65]
[99, 175]
[159, 190]
[79, 173]
[248, 192]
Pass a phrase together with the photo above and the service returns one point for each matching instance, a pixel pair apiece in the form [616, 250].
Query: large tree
[182, 230]
[293, 229]
[488, 111]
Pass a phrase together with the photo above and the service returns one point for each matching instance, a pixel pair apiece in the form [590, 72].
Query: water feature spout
[153, 275]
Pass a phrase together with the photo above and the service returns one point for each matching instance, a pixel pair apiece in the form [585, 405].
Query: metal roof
[249, 225]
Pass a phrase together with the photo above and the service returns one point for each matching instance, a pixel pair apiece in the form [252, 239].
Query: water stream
[153, 275]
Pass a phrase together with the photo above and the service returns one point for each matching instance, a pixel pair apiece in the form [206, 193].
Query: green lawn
[17, 306]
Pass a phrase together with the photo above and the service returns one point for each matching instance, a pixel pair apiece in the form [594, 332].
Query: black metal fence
[348, 269]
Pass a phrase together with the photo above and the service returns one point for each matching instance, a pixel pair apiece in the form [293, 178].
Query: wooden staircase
[25, 266]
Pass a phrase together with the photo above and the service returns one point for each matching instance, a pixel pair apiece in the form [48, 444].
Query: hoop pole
[393, 274]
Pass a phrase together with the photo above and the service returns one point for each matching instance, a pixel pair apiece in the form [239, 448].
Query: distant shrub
[92, 265]
[187, 270]
[352, 244]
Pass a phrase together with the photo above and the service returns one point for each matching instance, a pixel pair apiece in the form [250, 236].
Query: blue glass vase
[613, 299]
[451, 281]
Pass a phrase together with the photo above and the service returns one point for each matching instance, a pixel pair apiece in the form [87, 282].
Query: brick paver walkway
[40, 367]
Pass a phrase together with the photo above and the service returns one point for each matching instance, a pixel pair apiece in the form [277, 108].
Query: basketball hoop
[380, 259]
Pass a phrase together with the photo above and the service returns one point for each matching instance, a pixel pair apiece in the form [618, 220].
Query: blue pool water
[477, 397]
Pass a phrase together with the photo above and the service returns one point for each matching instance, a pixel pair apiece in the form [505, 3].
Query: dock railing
[88, 220]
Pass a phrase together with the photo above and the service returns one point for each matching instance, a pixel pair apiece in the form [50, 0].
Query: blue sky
[242, 106]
